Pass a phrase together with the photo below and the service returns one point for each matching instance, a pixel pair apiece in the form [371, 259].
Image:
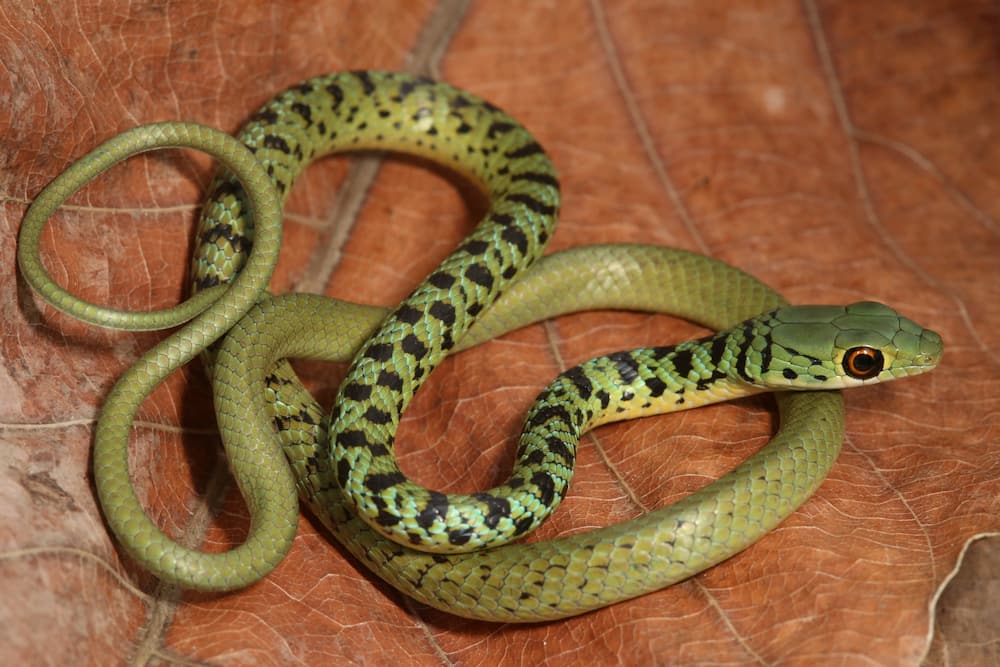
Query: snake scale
[425, 543]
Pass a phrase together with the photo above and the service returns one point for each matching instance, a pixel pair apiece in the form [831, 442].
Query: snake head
[834, 347]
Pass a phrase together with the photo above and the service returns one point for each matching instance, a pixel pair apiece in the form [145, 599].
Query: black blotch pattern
[741, 357]
[523, 525]
[365, 78]
[390, 380]
[378, 482]
[683, 362]
[357, 392]
[303, 110]
[444, 312]
[480, 275]
[516, 237]
[436, 508]
[526, 150]
[337, 93]
[496, 508]
[460, 536]
[376, 416]
[413, 346]
[277, 143]
[265, 117]
[530, 202]
[656, 387]
[627, 367]
[559, 448]
[580, 380]
[475, 247]
[536, 177]
[547, 413]
[379, 352]
[546, 487]
[408, 314]
[441, 280]
[604, 398]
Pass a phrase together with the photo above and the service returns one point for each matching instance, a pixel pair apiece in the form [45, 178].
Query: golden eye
[863, 363]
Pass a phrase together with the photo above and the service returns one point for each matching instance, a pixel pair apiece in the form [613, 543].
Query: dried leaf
[838, 150]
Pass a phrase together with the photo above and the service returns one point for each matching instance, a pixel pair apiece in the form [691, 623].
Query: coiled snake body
[419, 540]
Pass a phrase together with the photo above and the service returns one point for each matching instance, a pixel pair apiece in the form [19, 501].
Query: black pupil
[864, 362]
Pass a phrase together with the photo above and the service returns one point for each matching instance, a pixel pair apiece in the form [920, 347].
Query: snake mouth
[932, 347]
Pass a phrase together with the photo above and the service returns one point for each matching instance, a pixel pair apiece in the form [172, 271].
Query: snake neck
[639, 383]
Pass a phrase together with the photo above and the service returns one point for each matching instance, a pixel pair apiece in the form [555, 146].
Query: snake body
[344, 467]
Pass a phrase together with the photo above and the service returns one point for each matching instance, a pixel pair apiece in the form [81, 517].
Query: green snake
[343, 466]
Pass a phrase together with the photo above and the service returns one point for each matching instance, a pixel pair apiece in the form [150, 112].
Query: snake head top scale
[835, 347]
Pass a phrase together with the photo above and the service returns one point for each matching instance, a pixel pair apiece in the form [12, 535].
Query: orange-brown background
[838, 150]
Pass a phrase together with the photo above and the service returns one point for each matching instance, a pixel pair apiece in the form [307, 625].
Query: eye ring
[863, 363]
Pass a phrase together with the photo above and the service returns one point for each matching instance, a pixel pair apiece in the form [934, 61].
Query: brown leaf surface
[838, 150]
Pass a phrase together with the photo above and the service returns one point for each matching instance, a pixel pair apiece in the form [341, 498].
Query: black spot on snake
[475, 247]
[717, 351]
[461, 536]
[343, 473]
[530, 202]
[265, 117]
[498, 127]
[656, 386]
[683, 362]
[480, 275]
[580, 381]
[412, 346]
[353, 440]
[534, 458]
[536, 177]
[515, 236]
[386, 519]
[436, 509]
[627, 367]
[303, 110]
[390, 380]
[559, 448]
[378, 482]
[366, 81]
[546, 487]
[379, 352]
[547, 413]
[444, 312]
[523, 525]
[502, 219]
[604, 398]
[277, 143]
[408, 314]
[496, 508]
[376, 416]
[441, 280]
[526, 150]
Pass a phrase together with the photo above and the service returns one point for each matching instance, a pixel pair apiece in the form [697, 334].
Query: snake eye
[863, 363]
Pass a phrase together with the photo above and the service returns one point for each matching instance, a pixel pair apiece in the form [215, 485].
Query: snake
[456, 552]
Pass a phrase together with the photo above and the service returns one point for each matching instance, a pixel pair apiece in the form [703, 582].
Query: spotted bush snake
[427, 544]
